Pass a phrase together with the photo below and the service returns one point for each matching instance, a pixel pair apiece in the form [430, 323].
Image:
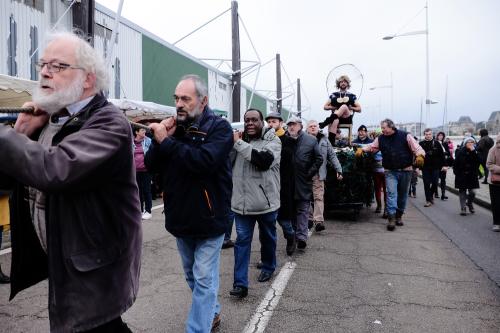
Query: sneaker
[215, 323]
[428, 204]
[320, 226]
[146, 216]
[496, 228]
[301, 244]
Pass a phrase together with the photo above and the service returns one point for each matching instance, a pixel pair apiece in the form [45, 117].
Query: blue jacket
[197, 178]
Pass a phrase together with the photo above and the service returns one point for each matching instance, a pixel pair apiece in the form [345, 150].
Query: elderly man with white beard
[75, 206]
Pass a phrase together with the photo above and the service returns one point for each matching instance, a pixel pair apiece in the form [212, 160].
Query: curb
[478, 201]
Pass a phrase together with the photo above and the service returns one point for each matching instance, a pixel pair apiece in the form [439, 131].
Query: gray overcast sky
[315, 36]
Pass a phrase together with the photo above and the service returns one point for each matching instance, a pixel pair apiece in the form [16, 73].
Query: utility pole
[278, 84]
[83, 18]
[236, 62]
[299, 102]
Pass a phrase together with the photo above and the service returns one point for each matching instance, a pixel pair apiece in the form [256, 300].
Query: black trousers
[115, 326]
[495, 203]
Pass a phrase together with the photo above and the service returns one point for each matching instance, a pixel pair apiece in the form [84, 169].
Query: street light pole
[428, 101]
[427, 83]
[391, 86]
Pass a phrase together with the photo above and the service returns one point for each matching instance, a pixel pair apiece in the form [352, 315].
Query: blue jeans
[286, 225]
[431, 179]
[397, 183]
[200, 261]
[245, 225]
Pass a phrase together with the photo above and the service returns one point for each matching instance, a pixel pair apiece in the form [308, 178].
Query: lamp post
[391, 86]
[425, 32]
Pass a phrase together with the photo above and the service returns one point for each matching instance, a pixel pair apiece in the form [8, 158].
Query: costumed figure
[343, 104]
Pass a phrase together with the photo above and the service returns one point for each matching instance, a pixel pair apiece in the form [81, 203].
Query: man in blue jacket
[192, 152]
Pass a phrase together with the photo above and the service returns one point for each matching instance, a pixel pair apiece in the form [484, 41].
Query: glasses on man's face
[54, 67]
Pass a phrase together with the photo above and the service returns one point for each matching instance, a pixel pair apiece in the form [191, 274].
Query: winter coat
[483, 147]
[434, 154]
[287, 177]
[466, 169]
[328, 155]
[256, 174]
[196, 171]
[93, 217]
[493, 160]
[307, 161]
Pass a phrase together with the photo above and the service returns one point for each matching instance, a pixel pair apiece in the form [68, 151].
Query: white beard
[60, 97]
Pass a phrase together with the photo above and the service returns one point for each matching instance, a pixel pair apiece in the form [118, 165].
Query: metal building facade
[22, 29]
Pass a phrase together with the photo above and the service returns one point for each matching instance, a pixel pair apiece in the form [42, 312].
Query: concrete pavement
[353, 277]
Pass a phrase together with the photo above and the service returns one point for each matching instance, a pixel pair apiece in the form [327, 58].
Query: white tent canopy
[14, 92]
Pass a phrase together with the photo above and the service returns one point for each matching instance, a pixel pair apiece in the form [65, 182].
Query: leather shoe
[264, 276]
[301, 244]
[227, 244]
[215, 323]
[240, 292]
[319, 227]
[290, 245]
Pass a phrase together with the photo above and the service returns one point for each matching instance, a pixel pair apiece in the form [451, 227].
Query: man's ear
[90, 80]
[204, 101]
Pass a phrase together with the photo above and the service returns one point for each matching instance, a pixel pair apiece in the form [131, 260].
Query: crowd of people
[85, 185]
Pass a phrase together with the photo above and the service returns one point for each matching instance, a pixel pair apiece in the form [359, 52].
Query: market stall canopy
[14, 92]
[141, 112]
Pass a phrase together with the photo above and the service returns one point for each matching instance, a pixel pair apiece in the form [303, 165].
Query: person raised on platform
[342, 104]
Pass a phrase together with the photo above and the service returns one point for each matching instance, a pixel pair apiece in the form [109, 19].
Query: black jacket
[466, 169]
[483, 147]
[197, 178]
[93, 216]
[434, 154]
[287, 178]
[307, 161]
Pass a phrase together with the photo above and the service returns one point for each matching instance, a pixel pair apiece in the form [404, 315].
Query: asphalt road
[353, 277]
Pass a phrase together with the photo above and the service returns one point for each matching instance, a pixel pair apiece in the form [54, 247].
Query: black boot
[3, 278]
[331, 138]
[328, 121]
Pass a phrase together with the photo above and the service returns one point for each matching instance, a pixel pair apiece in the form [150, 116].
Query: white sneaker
[146, 216]
[496, 227]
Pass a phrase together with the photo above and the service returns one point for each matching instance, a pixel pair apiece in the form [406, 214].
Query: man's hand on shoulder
[29, 123]
[163, 130]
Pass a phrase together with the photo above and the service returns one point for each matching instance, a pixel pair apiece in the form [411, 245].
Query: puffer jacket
[256, 187]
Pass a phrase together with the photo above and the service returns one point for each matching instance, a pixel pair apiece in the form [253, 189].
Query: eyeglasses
[55, 67]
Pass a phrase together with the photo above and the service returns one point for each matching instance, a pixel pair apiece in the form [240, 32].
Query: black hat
[274, 115]
[362, 128]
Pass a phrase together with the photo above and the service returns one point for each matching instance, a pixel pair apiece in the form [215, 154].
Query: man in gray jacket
[307, 161]
[256, 197]
[329, 157]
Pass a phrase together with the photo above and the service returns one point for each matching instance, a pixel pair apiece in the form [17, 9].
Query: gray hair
[389, 123]
[312, 121]
[199, 84]
[86, 57]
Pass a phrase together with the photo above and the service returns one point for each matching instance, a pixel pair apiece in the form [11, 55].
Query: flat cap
[294, 119]
[274, 115]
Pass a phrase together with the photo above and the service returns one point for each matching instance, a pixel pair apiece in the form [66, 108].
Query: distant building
[415, 128]
[493, 123]
[464, 124]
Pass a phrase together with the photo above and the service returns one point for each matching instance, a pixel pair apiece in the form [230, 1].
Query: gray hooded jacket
[256, 174]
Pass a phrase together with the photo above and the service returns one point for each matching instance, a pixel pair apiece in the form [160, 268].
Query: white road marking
[5, 251]
[157, 207]
[265, 309]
